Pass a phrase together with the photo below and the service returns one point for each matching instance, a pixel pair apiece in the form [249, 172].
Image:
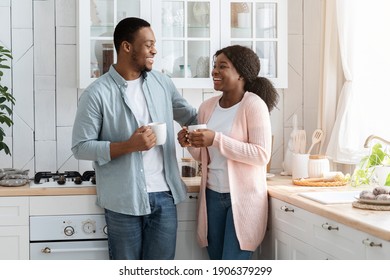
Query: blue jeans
[221, 236]
[149, 237]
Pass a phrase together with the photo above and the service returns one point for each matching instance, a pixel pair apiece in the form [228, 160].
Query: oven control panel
[72, 227]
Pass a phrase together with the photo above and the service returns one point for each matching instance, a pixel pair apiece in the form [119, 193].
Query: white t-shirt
[153, 159]
[221, 120]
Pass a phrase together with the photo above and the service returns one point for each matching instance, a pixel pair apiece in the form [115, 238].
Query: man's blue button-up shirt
[103, 116]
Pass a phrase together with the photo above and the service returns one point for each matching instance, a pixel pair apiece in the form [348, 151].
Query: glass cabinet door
[97, 20]
[188, 33]
[187, 37]
[262, 26]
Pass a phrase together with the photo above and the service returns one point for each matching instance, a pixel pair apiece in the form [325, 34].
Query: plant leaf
[4, 147]
[387, 183]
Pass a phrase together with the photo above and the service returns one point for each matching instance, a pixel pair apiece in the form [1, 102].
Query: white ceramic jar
[318, 165]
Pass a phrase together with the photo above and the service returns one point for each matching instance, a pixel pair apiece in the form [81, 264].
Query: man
[138, 183]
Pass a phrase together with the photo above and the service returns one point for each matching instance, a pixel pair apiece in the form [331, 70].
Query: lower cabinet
[297, 234]
[14, 228]
[291, 232]
[376, 249]
[336, 239]
[187, 247]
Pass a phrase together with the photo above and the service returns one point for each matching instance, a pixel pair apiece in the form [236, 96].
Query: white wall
[42, 36]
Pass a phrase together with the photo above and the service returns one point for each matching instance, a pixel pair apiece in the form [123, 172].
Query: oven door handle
[48, 250]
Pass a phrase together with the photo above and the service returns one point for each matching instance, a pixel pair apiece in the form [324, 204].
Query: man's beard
[141, 68]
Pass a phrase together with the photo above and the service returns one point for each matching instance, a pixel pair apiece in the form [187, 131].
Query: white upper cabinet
[188, 34]
[96, 22]
[187, 37]
[262, 26]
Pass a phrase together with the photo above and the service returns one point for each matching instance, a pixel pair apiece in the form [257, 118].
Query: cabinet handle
[367, 242]
[193, 197]
[286, 209]
[329, 227]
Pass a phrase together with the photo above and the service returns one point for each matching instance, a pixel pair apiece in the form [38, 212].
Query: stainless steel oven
[72, 237]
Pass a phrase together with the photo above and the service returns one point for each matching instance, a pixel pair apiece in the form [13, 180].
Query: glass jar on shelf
[95, 71]
[185, 73]
[188, 167]
[108, 56]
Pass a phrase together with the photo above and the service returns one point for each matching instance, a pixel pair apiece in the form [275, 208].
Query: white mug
[160, 130]
[196, 126]
[300, 166]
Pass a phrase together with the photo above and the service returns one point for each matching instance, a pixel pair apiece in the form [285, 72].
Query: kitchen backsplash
[42, 36]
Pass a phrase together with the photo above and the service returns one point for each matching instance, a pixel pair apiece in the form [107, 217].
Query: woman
[235, 148]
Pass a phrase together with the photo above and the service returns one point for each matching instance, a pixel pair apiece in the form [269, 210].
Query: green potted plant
[6, 100]
[373, 168]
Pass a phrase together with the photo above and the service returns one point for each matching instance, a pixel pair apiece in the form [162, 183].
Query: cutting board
[333, 197]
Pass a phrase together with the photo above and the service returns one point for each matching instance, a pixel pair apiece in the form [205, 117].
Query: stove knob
[89, 227]
[78, 180]
[105, 230]
[69, 231]
[61, 180]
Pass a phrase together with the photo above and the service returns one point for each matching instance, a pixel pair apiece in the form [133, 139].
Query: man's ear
[126, 46]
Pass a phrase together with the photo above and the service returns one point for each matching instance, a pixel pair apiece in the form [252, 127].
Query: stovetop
[67, 179]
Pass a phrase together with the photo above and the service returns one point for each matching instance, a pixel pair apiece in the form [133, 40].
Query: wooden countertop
[376, 223]
[27, 190]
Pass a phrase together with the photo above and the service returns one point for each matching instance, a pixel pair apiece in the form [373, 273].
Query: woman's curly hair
[247, 64]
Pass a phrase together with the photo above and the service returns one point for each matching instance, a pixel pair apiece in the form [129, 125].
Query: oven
[73, 237]
[70, 227]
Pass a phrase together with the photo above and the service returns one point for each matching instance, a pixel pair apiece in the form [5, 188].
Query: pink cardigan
[248, 150]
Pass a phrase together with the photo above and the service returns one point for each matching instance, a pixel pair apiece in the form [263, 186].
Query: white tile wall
[5, 3]
[21, 14]
[45, 110]
[44, 38]
[66, 12]
[44, 80]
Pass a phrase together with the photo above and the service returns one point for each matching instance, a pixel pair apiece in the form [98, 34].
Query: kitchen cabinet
[187, 36]
[376, 248]
[336, 239]
[262, 26]
[291, 233]
[299, 234]
[286, 247]
[14, 228]
[96, 23]
[187, 247]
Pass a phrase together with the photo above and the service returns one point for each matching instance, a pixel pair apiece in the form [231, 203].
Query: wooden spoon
[302, 141]
[316, 138]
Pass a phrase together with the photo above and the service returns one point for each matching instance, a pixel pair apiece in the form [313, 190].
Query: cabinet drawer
[14, 211]
[337, 239]
[376, 248]
[289, 218]
[187, 210]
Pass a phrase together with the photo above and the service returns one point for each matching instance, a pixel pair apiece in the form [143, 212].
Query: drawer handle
[367, 242]
[48, 250]
[193, 197]
[286, 209]
[329, 227]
